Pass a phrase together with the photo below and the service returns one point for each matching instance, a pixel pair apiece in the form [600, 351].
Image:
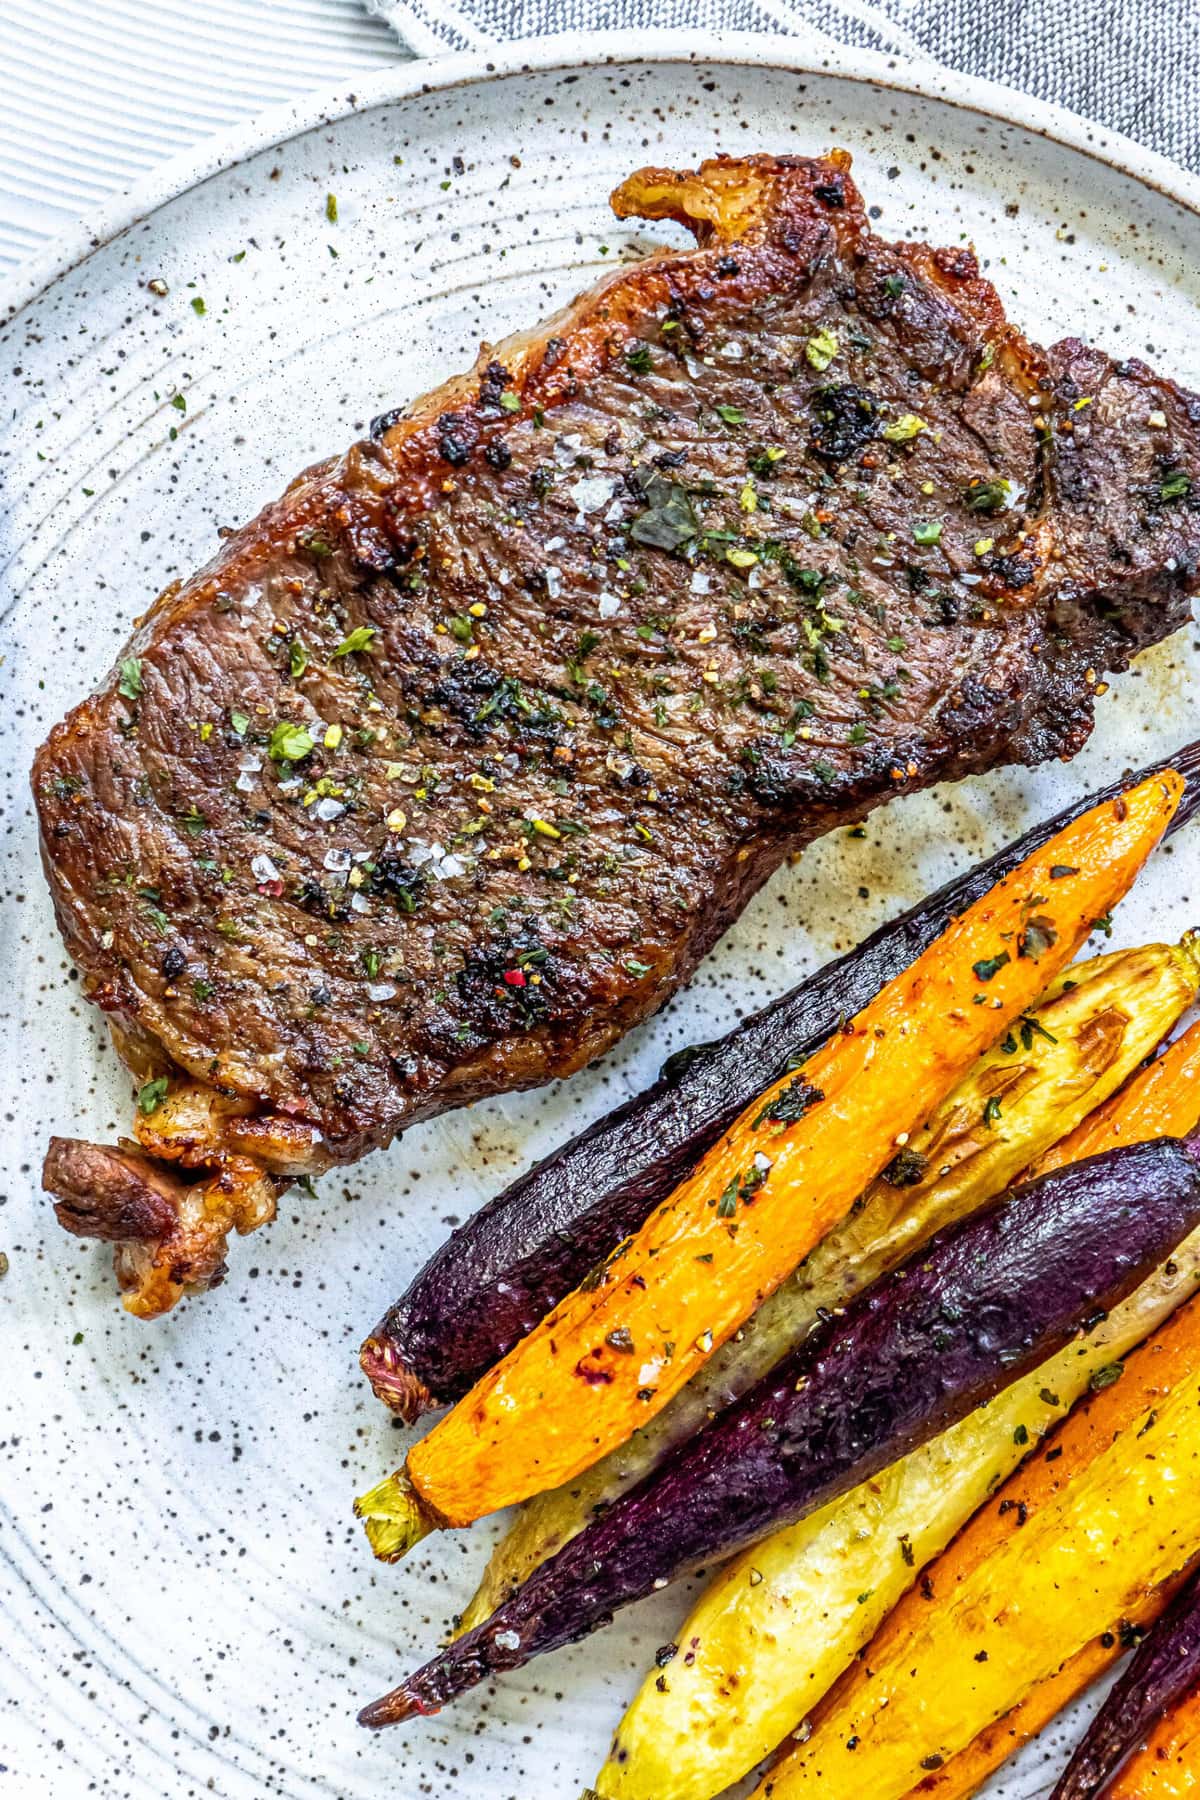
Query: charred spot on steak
[312, 898]
[832, 192]
[503, 985]
[845, 418]
[1011, 572]
[495, 383]
[383, 422]
[455, 439]
[399, 880]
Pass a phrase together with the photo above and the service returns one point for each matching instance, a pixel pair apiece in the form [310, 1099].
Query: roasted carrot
[990, 1298]
[966, 1773]
[1097, 1520]
[780, 1623]
[1166, 1107]
[1092, 1029]
[1163, 1673]
[616, 1350]
[1167, 1767]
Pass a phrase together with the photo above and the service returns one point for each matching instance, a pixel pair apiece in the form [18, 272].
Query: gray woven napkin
[1134, 66]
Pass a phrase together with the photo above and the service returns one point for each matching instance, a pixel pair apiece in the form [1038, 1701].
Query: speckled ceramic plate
[188, 1608]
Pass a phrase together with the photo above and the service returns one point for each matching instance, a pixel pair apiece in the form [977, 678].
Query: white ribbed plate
[188, 1608]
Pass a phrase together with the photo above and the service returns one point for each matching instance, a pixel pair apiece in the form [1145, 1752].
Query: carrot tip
[392, 1709]
[393, 1517]
[401, 1391]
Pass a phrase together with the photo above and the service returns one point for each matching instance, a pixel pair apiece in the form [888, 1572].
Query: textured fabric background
[95, 92]
[1134, 64]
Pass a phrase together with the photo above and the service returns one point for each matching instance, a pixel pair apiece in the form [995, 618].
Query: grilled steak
[452, 764]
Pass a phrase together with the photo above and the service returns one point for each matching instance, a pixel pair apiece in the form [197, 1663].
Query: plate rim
[921, 78]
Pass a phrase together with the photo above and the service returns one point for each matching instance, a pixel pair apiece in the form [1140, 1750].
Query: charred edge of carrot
[392, 1381]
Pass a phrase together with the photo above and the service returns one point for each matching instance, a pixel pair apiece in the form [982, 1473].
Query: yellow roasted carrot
[618, 1348]
[966, 1773]
[1166, 1107]
[765, 1641]
[1083, 1534]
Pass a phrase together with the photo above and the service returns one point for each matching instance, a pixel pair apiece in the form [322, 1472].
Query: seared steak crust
[454, 762]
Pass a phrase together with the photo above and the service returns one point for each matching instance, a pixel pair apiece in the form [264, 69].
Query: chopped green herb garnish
[331, 210]
[1175, 485]
[991, 965]
[821, 349]
[1031, 1028]
[904, 429]
[289, 743]
[359, 639]
[989, 496]
[669, 520]
[130, 684]
[151, 1095]
[927, 531]
[1039, 935]
[297, 659]
[790, 1104]
[766, 461]
[906, 1168]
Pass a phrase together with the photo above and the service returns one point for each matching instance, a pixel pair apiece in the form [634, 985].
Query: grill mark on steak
[454, 762]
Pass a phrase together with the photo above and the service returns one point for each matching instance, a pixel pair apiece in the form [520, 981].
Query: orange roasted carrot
[1167, 1767]
[1161, 1101]
[616, 1350]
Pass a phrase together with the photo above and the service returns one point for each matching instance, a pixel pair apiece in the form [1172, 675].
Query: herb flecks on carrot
[783, 1620]
[621, 1345]
[1082, 1536]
